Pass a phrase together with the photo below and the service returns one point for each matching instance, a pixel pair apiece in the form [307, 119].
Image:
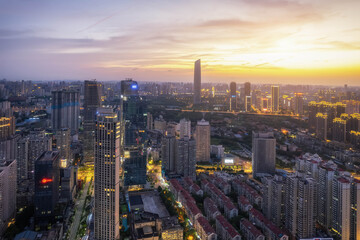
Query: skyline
[282, 42]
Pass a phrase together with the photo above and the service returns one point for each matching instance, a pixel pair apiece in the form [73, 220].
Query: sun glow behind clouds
[260, 40]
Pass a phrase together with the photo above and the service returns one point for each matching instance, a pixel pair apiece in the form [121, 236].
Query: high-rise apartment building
[47, 178]
[38, 142]
[274, 199]
[185, 128]
[300, 206]
[185, 157]
[65, 110]
[168, 154]
[324, 205]
[275, 95]
[263, 153]
[106, 181]
[22, 159]
[345, 217]
[197, 82]
[322, 126]
[202, 141]
[7, 193]
[179, 156]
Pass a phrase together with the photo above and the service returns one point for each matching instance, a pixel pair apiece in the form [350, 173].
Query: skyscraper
[47, 177]
[202, 141]
[275, 95]
[92, 101]
[107, 183]
[263, 153]
[134, 111]
[197, 82]
[233, 98]
[247, 89]
[65, 110]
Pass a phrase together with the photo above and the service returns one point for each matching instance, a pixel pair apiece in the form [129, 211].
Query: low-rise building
[211, 209]
[225, 230]
[204, 229]
[249, 231]
[244, 204]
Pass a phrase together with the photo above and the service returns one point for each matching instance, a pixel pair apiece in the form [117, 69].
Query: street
[78, 211]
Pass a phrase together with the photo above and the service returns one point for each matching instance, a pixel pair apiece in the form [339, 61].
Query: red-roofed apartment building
[204, 229]
[225, 230]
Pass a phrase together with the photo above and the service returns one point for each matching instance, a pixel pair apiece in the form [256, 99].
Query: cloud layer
[257, 40]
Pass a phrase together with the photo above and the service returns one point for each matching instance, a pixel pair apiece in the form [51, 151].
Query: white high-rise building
[106, 181]
[202, 141]
[185, 128]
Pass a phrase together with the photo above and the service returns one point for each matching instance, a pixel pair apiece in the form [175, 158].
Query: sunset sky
[261, 41]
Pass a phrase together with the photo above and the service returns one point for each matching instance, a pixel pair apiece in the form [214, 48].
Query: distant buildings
[263, 153]
[275, 95]
[299, 104]
[65, 110]
[107, 182]
[7, 193]
[202, 141]
[248, 103]
[233, 97]
[322, 126]
[247, 90]
[197, 82]
[47, 178]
